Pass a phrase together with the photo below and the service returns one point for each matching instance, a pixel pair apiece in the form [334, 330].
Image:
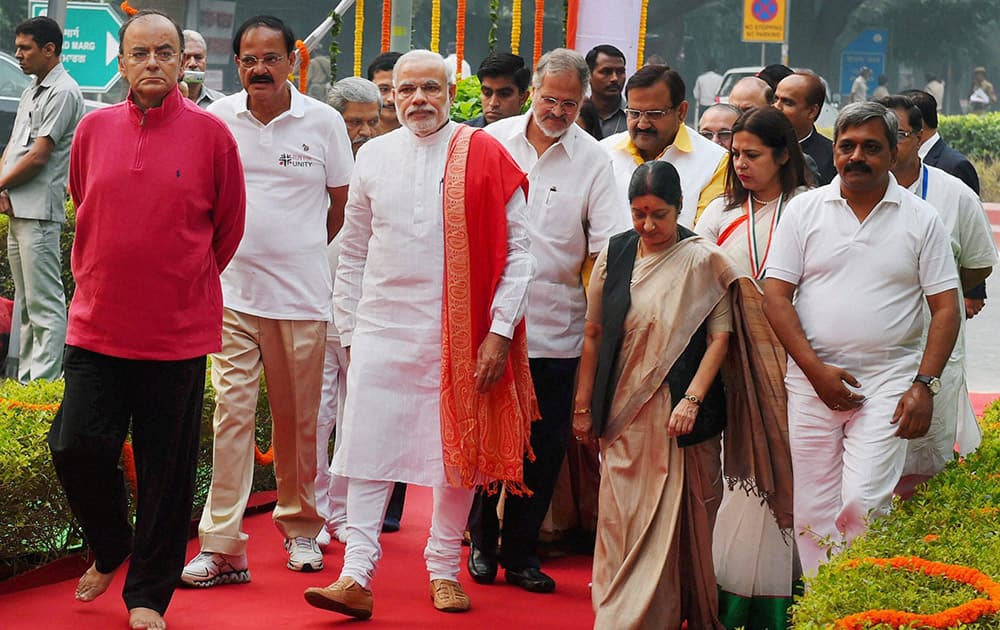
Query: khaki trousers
[291, 355]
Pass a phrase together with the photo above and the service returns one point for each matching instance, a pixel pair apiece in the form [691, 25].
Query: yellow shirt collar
[682, 141]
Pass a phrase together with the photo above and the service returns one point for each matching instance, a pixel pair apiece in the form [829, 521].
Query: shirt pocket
[561, 213]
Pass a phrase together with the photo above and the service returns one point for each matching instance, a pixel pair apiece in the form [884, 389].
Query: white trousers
[331, 490]
[366, 504]
[846, 465]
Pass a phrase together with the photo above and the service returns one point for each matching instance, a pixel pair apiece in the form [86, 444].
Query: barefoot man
[158, 188]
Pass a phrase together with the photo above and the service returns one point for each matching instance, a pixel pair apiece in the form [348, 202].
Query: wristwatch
[933, 383]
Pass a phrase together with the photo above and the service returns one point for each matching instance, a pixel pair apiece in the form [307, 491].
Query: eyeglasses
[725, 134]
[903, 135]
[142, 56]
[651, 115]
[269, 60]
[550, 103]
[430, 89]
[357, 123]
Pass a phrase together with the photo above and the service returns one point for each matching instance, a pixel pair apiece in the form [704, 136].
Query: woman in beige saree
[755, 562]
[658, 325]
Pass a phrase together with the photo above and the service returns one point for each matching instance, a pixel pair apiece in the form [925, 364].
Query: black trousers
[554, 381]
[162, 401]
[395, 507]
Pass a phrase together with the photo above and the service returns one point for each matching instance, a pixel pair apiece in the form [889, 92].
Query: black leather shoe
[530, 579]
[482, 566]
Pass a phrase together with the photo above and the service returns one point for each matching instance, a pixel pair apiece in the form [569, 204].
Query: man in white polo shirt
[860, 256]
[975, 254]
[573, 209]
[656, 131]
[277, 293]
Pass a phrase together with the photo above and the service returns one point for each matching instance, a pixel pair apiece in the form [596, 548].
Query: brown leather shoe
[448, 596]
[344, 596]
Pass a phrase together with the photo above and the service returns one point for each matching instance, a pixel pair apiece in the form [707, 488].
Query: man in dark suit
[933, 149]
[936, 152]
[800, 97]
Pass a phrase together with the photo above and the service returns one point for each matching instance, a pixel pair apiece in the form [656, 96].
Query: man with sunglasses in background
[716, 124]
[656, 131]
[277, 298]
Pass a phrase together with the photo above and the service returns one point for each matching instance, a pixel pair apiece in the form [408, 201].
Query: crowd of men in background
[277, 292]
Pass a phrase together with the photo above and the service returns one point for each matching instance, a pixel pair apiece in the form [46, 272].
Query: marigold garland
[128, 460]
[359, 34]
[303, 50]
[436, 26]
[963, 614]
[20, 404]
[386, 24]
[515, 27]
[128, 9]
[459, 39]
[539, 30]
[640, 53]
[263, 458]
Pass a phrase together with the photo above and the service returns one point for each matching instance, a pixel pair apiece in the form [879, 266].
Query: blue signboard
[867, 49]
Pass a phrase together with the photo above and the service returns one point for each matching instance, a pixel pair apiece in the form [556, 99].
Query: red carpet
[274, 598]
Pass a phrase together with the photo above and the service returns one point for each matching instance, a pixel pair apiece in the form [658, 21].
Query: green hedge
[36, 525]
[953, 519]
[978, 137]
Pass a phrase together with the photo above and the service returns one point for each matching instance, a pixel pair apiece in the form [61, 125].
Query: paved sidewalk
[982, 336]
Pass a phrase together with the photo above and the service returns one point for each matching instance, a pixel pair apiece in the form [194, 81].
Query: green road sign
[90, 43]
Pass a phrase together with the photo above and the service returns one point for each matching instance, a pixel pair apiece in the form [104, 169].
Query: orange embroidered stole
[484, 436]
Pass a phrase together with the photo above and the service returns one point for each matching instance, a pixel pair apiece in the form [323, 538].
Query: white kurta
[387, 306]
[972, 244]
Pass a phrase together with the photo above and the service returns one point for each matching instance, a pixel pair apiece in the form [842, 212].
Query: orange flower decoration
[303, 50]
[930, 537]
[386, 24]
[128, 9]
[263, 459]
[963, 614]
[459, 39]
[18, 404]
[539, 30]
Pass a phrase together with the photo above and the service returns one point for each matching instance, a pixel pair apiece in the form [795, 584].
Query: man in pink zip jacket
[158, 187]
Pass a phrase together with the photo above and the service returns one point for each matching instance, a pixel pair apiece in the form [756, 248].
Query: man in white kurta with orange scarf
[429, 296]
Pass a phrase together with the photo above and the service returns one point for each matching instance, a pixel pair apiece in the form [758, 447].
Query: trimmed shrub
[36, 525]
[978, 137]
[953, 519]
[468, 102]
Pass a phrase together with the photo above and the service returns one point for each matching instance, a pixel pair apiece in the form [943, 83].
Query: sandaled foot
[92, 584]
[145, 619]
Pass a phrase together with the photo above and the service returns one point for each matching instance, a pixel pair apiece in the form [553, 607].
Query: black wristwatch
[933, 383]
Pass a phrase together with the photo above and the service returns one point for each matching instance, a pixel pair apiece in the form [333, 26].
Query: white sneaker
[323, 537]
[303, 554]
[208, 569]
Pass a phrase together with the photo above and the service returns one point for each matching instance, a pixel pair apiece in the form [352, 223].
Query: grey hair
[195, 37]
[353, 90]
[420, 54]
[857, 114]
[559, 61]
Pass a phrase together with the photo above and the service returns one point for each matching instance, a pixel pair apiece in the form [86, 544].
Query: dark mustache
[860, 167]
[261, 78]
[648, 132]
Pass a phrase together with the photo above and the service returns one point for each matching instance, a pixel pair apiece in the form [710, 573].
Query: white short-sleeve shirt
[861, 286]
[573, 209]
[280, 270]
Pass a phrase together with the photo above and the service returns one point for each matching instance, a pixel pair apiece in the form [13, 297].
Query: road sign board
[90, 43]
[764, 21]
[867, 49]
